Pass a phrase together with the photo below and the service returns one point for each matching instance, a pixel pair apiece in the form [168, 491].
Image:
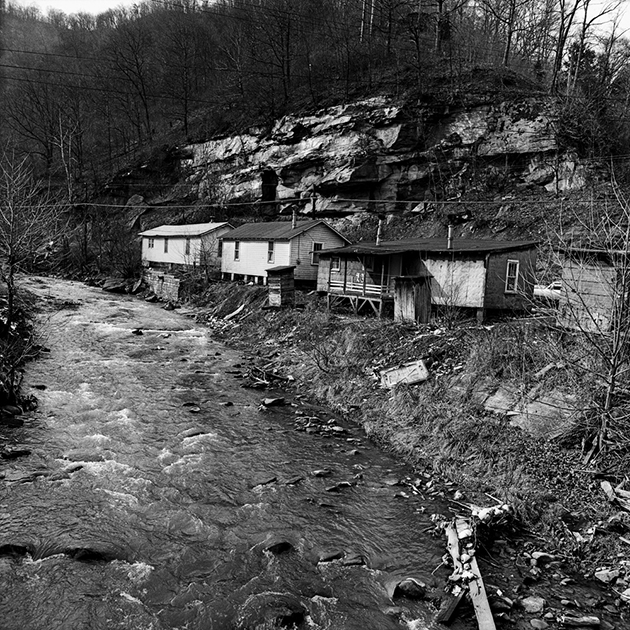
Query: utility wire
[364, 202]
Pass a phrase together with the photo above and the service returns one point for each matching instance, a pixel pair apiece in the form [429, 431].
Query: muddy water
[155, 485]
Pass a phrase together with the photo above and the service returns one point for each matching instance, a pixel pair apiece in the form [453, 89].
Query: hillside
[493, 168]
[182, 103]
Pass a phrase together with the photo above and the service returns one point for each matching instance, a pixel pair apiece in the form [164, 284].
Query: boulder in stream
[263, 481]
[11, 421]
[271, 610]
[273, 402]
[533, 604]
[14, 453]
[115, 285]
[277, 545]
[329, 556]
[409, 587]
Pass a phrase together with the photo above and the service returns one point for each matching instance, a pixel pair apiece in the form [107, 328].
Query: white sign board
[414, 372]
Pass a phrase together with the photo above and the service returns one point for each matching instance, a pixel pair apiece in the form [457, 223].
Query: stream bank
[152, 491]
[468, 454]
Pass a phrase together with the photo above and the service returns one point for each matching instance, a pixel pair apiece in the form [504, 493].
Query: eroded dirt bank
[560, 507]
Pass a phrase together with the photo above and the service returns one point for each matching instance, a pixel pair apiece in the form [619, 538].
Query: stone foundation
[164, 285]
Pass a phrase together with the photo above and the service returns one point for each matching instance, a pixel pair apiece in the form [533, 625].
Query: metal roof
[275, 231]
[432, 245]
[193, 229]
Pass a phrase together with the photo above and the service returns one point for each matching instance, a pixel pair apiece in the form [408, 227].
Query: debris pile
[465, 579]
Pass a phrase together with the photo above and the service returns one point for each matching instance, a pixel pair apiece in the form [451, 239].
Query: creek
[157, 494]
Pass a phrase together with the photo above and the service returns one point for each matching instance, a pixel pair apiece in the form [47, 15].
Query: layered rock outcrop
[388, 156]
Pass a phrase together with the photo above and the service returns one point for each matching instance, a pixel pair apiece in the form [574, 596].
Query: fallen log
[233, 314]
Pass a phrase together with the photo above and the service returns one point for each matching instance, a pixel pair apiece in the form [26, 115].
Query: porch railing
[353, 287]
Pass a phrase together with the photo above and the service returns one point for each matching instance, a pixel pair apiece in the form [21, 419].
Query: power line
[364, 202]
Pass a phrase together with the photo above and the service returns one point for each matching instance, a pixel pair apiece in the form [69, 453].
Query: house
[174, 246]
[251, 249]
[482, 275]
[592, 279]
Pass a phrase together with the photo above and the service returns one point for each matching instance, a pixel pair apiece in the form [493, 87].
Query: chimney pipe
[449, 242]
[293, 220]
[378, 230]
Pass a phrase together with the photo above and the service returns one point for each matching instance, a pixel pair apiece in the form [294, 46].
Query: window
[270, 252]
[151, 243]
[237, 250]
[335, 263]
[187, 253]
[166, 246]
[368, 263]
[511, 276]
[317, 247]
[220, 249]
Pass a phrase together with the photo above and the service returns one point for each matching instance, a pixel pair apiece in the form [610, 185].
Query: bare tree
[589, 19]
[29, 222]
[567, 12]
[595, 261]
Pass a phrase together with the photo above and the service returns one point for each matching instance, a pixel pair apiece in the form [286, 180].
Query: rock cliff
[389, 156]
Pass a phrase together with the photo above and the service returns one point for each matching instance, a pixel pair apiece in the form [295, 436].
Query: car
[551, 291]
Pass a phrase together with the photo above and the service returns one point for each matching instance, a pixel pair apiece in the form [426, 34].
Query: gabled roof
[193, 229]
[275, 231]
[432, 245]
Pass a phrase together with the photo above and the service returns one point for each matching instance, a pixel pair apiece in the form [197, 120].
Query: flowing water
[155, 486]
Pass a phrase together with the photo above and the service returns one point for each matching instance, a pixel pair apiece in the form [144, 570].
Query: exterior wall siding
[176, 250]
[496, 297]
[302, 247]
[323, 273]
[202, 249]
[297, 252]
[460, 283]
[209, 247]
[589, 300]
[253, 257]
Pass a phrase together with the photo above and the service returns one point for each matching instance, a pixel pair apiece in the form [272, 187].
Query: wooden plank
[448, 607]
[477, 589]
[452, 546]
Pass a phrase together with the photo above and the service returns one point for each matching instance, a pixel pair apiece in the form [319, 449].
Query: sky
[98, 6]
[76, 6]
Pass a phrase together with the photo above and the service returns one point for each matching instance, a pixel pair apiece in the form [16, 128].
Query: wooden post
[422, 295]
[382, 277]
[345, 274]
[329, 274]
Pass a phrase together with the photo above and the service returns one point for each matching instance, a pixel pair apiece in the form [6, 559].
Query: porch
[360, 293]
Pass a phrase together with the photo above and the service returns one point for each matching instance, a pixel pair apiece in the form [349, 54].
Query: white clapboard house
[252, 248]
[183, 246]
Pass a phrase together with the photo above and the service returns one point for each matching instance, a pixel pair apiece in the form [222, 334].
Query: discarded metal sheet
[414, 372]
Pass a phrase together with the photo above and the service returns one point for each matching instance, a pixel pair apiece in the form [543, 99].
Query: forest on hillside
[87, 95]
